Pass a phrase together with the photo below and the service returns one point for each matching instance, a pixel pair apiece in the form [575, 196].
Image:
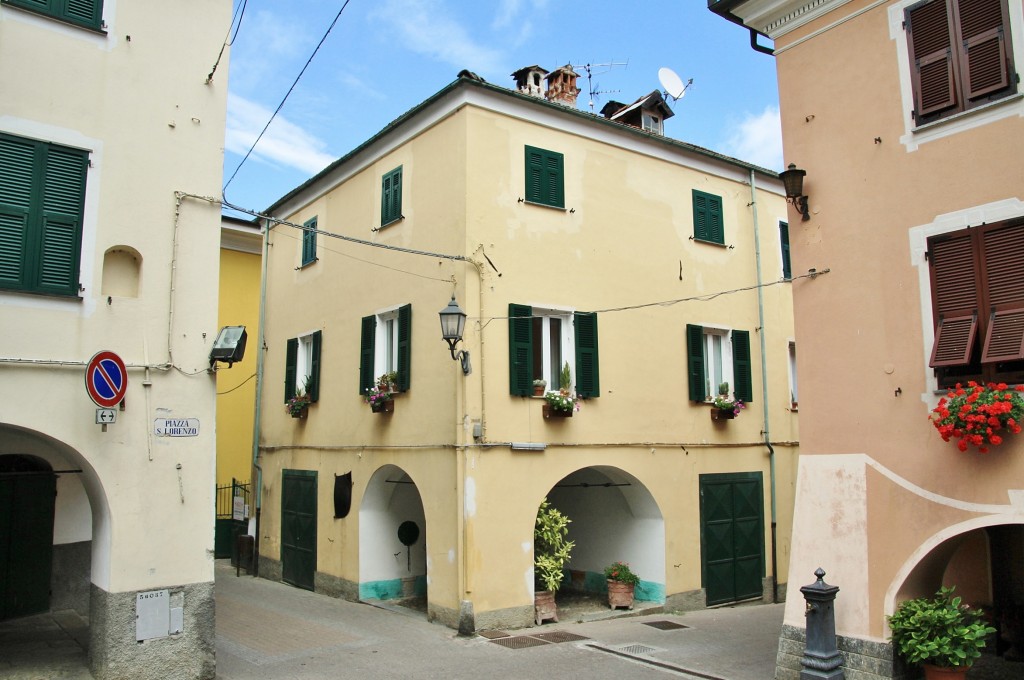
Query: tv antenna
[673, 84]
[596, 70]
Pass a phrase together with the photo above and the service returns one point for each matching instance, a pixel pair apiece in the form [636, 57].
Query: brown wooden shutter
[983, 32]
[1003, 272]
[955, 283]
[930, 34]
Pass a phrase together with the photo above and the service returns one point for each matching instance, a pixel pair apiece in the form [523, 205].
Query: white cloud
[425, 27]
[758, 139]
[284, 142]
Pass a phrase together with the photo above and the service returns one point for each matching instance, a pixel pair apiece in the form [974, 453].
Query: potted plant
[539, 385]
[560, 404]
[979, 415]
[380, 396]
[621, 584]
[389, 380]
[725, 407]
[551, 553]
[939, 633]
[298, 405]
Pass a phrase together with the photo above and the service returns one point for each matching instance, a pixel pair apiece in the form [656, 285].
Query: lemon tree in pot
[551, 551]
[941, 633]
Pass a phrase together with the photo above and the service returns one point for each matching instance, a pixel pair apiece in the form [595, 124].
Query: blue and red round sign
[106, 379]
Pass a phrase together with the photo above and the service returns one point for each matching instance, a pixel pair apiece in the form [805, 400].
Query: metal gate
[228, 524]
[298, 527]
[732, 536]
[27, 493]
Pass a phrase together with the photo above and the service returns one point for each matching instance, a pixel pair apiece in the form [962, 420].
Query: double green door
[298, 528]
[732, 536]
[26, 542]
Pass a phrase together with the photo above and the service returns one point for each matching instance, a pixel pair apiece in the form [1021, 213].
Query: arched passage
[984, 560]
[615, 518]
[45, 472]
[392, 537]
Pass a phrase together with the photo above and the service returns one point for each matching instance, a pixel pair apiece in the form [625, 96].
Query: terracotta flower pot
[932, 672]
[620, 594]
[544, 606]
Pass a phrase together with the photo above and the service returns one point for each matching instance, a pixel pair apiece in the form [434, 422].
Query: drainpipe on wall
[257, 471]
[764, 387]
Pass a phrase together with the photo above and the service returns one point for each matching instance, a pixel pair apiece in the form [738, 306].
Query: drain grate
[664, 625]
[556, 636]
[635, 649]
[492, 634]
[519, 642]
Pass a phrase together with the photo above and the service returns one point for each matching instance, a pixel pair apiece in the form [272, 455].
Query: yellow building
[239, 305]
[108, 273]
[907, 117]
[649, 269]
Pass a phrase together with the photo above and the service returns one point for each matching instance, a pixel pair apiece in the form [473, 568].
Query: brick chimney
[562, 86]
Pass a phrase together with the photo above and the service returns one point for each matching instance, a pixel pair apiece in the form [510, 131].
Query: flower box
[550, 412]
[383, 406]
[722, 413]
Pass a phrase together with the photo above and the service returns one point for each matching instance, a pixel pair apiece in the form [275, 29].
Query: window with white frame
[651, 123]
[715, 356]
[385, 347]
[302, 366]
[543, 340]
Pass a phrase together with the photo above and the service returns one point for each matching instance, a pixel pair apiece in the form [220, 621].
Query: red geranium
[977, 415]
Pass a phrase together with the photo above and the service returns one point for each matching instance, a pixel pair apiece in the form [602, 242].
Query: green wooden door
[26, 541]
[298, 527]
[732, 536]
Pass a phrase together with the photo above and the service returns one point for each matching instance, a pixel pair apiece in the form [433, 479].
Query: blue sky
[383, 57]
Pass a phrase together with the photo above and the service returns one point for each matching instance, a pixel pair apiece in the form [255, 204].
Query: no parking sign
[106, 379]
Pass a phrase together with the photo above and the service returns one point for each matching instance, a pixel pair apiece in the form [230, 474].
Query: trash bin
[244, 550]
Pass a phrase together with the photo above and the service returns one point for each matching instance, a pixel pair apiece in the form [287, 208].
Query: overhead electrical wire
[228, 41]
[287, 94]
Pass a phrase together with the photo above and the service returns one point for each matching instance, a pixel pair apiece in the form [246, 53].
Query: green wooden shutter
[391, 196]
[366, 345]
[291, 360]
[61, 237]
[520, 350]
[787, 267]
[314, 366]
[18, 177]
[404, 347]
[741, 366]
[707, 217]
[695, 361]
[88, 13]
[587, 373]
[545, 177]
[309, 242]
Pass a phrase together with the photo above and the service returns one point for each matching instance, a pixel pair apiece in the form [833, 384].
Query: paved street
[271, 631]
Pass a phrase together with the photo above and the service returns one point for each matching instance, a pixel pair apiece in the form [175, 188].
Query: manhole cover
[560, 636]
[634, 649]
[519, 642]
[492, 634]
[664, 625]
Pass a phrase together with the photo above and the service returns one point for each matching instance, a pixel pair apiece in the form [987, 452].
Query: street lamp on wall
[793, 179]
[453, 322]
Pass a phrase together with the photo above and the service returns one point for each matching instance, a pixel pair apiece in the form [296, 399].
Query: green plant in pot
[551, 551]
[939, 632]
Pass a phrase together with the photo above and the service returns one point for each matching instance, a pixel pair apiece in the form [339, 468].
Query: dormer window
[652, 123]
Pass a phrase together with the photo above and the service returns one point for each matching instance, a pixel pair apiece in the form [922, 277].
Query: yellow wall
[236, 387]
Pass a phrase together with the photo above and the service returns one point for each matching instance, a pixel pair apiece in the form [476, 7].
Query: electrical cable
[228, 41]
[237, 386]
[287, 94]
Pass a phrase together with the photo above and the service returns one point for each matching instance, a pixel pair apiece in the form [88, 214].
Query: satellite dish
[672, 83]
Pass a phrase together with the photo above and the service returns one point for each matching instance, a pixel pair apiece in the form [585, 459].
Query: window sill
[307, 264]
[545, 205]
[1011, 105]
[388, 224]
[710, 243]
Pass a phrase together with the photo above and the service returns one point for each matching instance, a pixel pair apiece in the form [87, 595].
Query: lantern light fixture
[453, 322]
[793, 179]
